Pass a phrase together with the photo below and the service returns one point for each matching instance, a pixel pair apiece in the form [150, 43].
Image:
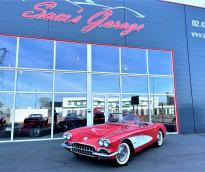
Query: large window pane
[141, 110]
[134, 61]
[70, 82]
[6, 104]
[160, 62]
[161, 85]
[7, 51]
[7, 80]
[70, 56]
[33, 116]
[70, 112]
[34, 53]
[105, 58]
[163, 111]
[106, 84]
[132, 84]
[34, 81]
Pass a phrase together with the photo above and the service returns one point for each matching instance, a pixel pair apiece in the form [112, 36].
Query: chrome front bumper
[94, 154]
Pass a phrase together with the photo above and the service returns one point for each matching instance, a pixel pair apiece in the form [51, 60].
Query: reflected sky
[134, 84]
[105, 59]
[7, 80]
[34, 81]
[34, 53]
[70, 82]
[106, 84]
[160, 62]
[71, 56]
[9, 43]
[161, 85]
[134, 61]
[6, 101]
[34, 101]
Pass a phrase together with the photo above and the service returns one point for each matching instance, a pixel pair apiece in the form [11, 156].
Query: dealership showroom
[85, 64]
[69, 67]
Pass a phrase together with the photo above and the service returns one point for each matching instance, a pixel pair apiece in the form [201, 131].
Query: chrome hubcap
[122, 153]
[36, 131]
[159, 138]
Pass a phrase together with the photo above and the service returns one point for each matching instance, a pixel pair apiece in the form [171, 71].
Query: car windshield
[124, 118]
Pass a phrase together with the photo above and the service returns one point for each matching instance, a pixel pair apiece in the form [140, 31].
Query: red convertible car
[117, 140]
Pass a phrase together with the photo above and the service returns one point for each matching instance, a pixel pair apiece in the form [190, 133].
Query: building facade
[67, 64]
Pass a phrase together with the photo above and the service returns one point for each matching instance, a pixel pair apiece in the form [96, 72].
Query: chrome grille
[83, 149]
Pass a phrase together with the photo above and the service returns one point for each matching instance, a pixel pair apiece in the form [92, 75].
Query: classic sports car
[117, 140]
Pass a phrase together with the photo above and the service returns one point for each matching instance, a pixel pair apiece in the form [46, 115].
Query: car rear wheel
[160, 139]
[123, 155]
[35, 132]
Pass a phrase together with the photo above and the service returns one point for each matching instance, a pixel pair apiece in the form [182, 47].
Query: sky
[198, 3]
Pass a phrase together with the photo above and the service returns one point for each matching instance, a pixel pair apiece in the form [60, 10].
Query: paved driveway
[180, 153]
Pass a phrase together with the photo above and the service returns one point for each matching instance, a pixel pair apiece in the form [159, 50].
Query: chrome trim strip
[66, 146]
[105, 155]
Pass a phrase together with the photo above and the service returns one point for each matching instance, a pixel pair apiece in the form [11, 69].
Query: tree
[44, 102]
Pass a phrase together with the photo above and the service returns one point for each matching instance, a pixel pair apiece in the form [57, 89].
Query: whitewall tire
[123, 155]
[160, 139]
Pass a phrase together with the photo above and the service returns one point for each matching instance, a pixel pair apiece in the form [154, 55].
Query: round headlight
[100, 142]
[106, 143]
[67, 136]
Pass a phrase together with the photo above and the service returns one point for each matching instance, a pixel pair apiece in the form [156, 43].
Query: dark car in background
[72, 120]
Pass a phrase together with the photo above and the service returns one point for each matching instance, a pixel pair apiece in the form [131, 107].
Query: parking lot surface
[180, 153]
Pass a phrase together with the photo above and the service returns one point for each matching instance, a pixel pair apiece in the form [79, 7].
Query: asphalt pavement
[180, 153]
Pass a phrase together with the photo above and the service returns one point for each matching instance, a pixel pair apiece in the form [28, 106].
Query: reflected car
[116, 140]
[32, 126]
[72, 120]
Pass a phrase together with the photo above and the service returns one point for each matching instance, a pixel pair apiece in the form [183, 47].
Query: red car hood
[100, 131]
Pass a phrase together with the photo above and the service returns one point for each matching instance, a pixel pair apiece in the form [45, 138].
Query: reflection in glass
[70, 82]
[132, 84]
[140, 110]
[163, 111]
[7, 51]
[161, 85]
[98, 109]
[105, 58]
[34, 81]
[134, 61]
[106, 84]
[70, 56]
[160, 62]
[7, 80]
[6, 104]
[35, 53]
[70, 112]
[33, 116]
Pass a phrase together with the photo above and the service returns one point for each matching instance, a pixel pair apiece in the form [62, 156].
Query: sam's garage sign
[45, 11]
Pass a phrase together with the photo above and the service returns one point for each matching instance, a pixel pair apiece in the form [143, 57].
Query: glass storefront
[45, 86]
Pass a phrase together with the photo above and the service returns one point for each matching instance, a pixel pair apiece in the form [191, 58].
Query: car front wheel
[160, 139]
[123, 155]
